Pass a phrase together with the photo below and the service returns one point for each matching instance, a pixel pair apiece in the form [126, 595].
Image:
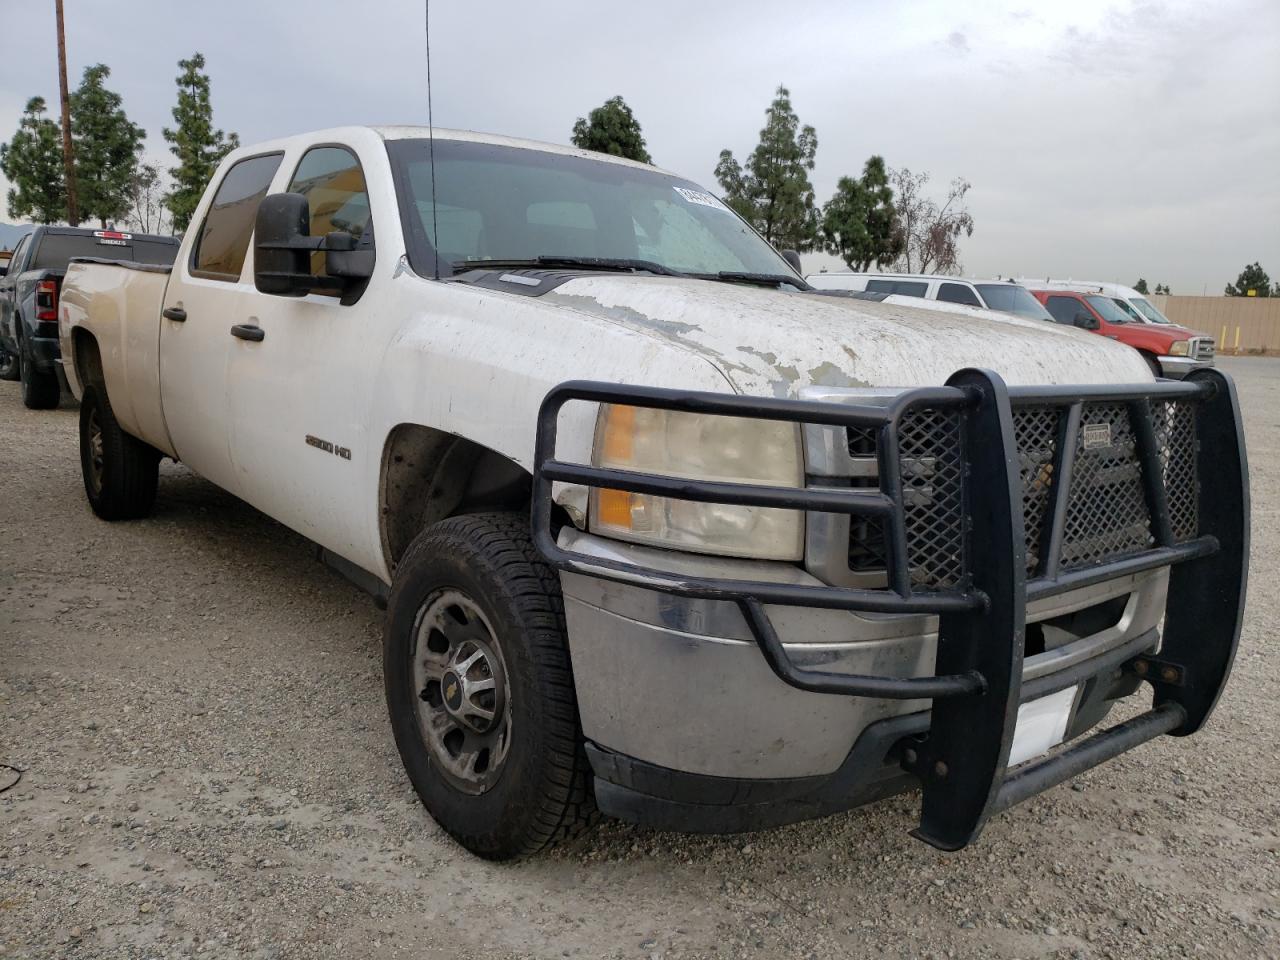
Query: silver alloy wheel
[95, 450]
[463, 693]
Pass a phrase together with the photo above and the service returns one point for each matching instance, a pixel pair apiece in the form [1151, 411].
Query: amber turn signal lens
[619, 433]
[615, 507]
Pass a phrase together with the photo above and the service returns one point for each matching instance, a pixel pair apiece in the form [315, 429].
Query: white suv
[1002, 295]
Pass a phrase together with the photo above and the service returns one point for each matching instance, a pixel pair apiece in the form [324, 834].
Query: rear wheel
[40, 390]
[480, 689]
[120, 471]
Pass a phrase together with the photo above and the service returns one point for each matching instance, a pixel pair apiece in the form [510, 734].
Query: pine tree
[612, 129]
[32, 161]
[772, 190]
[858, 222]
[1252, 277]
[108, 146]
[194, 141]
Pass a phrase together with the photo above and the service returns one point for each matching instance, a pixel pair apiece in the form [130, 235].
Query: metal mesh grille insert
[1106, 506]
[1175, 429]
[932, 471]
[1036, 435]
[1106, 512]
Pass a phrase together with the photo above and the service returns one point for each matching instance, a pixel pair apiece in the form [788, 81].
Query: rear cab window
[56, 249]
[223, 242]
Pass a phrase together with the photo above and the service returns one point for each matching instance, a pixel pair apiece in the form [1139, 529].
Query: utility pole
[68, 158]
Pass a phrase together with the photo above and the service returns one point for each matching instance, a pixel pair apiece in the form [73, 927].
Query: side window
[333, 183]
[1124, 305]
[1063, 309]
[224, 236]
[20, 251]
[958, 293]
[905, 288]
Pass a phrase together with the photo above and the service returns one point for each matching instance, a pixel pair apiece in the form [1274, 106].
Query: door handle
[177, 314]
[246, 332]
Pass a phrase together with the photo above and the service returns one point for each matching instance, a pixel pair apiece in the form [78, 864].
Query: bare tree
[147, 210]
[929, 234]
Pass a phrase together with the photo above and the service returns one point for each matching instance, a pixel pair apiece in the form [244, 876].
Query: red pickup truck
[1170, 351]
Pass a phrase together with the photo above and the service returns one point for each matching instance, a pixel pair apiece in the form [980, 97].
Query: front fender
[478, 365]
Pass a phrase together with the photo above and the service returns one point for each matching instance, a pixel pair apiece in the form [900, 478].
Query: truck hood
[770, 342]
[1175, 331]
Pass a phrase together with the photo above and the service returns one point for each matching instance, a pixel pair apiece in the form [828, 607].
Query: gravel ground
[197, 705]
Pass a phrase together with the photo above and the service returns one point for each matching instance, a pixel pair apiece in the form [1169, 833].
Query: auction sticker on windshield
[699, 197]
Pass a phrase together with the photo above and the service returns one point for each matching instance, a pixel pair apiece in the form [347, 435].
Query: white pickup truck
[662, 532]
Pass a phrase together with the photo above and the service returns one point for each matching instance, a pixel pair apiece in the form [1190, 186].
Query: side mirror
[282, 245]
[793, 258]
[1085, 321]
[282, 249]
[343, 260]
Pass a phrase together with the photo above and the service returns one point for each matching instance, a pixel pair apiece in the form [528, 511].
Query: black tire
[10, 365]
[540, 791]
[1154, 365]
[40, 390]
[120, 471]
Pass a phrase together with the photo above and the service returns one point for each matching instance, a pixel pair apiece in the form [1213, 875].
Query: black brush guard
[962, 761]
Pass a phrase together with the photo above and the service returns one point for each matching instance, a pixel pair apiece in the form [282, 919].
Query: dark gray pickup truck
[29, 290]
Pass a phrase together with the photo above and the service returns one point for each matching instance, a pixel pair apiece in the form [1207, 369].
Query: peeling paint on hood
[773, 343]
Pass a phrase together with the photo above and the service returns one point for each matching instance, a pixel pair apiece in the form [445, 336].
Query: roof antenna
[431, 144]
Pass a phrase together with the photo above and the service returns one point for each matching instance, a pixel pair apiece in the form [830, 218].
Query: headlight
[701, 447]
[1179, 348]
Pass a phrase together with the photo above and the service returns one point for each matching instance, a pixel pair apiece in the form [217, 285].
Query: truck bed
[119, 303]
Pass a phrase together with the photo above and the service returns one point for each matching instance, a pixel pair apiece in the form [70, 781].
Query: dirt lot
[197, 704]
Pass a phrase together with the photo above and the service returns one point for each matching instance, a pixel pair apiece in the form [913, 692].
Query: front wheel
[1154, 365]
[120, 471]
[480, 689]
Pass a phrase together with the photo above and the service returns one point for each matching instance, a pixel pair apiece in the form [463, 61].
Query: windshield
[1011, 298]
[509, 203]
[1149, 311]
[1106, 308]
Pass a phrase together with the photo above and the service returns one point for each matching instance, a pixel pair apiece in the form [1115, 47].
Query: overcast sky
[1103, 140]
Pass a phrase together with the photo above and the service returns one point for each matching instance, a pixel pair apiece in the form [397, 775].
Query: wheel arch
[86, 360]
[428, 475]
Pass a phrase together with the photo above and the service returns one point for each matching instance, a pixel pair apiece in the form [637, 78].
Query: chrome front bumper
[680, 683]
[1175, 368]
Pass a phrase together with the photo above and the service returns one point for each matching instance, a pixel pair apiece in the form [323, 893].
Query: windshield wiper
[585, 263]
[764, 279]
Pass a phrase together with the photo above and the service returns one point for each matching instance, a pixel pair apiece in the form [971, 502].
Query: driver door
[299, 392]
